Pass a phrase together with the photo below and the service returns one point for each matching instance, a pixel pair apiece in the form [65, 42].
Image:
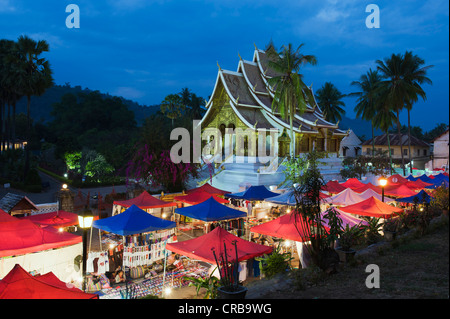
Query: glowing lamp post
[383, 183]
[85, 222]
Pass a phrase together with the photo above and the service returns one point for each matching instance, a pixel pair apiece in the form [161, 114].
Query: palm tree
[197, 104]
[368, 101]
[291, 94]
[7, 93]
[417, 75]
[329, 100]
[172, 106]
[186, 96]
[397, 88]
[383, 119]
[36, 76]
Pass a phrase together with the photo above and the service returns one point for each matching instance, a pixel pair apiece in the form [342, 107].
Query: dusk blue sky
[144, 50]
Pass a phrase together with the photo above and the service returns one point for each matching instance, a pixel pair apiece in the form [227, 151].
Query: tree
[291, 94]
[329, 100]
[310, 225]
[416, 75]
[399, 87]
[36, 75]
[368, 101]
[172, 106]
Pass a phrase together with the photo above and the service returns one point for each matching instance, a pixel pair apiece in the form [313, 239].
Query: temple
[242, 99]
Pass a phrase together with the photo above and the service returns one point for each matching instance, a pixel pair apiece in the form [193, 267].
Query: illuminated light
[167, 291]
[287, 243]
[65, 175]
[64, 186]
[421, 209]
[383, 181]
[60, 229]
[111, 246]
[288, 210]
[164, 215]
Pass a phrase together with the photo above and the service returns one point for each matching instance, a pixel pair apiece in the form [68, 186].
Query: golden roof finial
[255, 45]
[220, 69]
[315, 122]
[240, 58]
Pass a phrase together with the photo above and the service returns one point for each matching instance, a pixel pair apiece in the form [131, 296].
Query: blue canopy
[426, 179]
[439, 182]
[259, 192]
[133, 221]
[210, 210]
[419, 197]
[412, 178]
[287, 198]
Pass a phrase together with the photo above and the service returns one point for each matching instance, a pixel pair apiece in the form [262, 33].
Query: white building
[440, 156]
[350, 145]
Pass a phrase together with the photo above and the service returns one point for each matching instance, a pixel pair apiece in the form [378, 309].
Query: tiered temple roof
[251, 99]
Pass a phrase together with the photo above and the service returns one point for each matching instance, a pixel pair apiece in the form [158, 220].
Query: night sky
[144, 50]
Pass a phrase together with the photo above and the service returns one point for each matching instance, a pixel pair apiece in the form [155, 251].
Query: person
[120, 277]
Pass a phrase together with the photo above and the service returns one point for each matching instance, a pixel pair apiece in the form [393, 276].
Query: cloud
[6, 6]
[128, 92]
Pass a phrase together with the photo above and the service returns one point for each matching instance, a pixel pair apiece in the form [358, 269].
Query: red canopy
[145, 201]
[282, 227]
[198, 196]
[417, 184]
[5, 217]
[367, 186]
[209, 189]
[56, 219]
[396, 179]
[399, 191]
[372, 207]
[19, 284]
[21, 237]
[333, 187]
[352, 183]
[202, 247]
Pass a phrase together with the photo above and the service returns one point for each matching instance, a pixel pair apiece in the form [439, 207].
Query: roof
[251, 98]
[11, 202]
[395, 141]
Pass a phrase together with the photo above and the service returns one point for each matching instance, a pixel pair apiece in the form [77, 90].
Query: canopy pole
[100, 238]
[164, 273]
[90, 240]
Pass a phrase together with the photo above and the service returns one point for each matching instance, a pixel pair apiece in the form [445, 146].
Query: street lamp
[383, 182]
[85, 222]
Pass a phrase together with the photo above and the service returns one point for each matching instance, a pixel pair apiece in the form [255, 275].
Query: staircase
[237, 172]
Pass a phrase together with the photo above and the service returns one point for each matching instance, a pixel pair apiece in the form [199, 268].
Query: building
[350, 145]
[440, 157]
[420, 150]
[242, 101]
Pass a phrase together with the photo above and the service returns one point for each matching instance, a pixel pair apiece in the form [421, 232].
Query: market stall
[198, 196]
[333, 187]
[144, 201]
[209, 213]
[209, 189]
[136, 243]
[36, 248]
[372, 207]
[352, 183]
[202, 248]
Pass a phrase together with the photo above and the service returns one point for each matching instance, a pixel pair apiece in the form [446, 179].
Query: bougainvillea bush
[158, 170]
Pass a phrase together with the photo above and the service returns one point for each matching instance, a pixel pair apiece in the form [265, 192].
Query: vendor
[119, 275]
